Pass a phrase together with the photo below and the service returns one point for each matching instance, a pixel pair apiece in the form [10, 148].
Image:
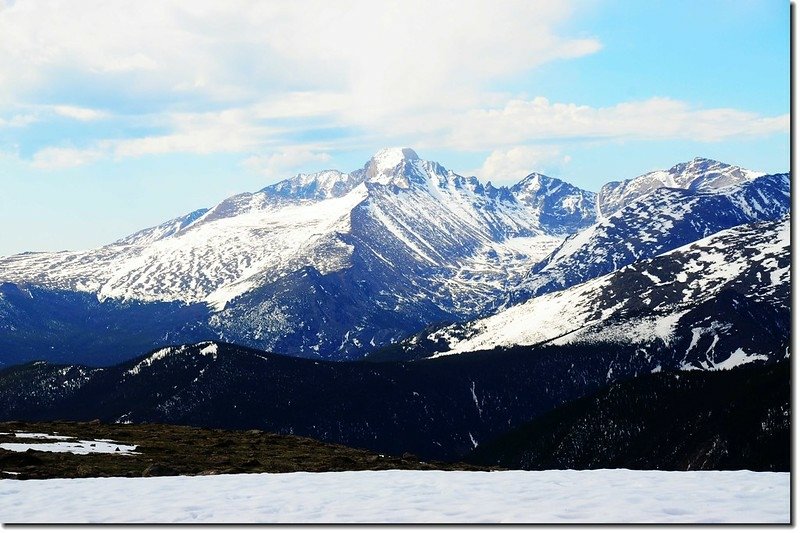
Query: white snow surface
[25, 435]
[66, 444]
[554, 496]
[80, 447]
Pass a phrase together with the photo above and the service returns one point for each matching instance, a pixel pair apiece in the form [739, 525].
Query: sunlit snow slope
[592, 496]
[716, 303]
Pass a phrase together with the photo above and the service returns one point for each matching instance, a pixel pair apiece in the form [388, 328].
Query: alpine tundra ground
[85, 449]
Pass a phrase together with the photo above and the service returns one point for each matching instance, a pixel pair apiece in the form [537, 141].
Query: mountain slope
[659, 222]
[436, 409]
[732, 420]
[39, 323]
[715, 303]
[334, 265]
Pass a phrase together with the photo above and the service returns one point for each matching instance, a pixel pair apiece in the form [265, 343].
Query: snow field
[555, 496]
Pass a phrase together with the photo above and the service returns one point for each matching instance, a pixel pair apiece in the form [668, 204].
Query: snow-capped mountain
[716, 303]
[321, 265]
[699, 174]
[335, 265]
[661, 221]
[560, 207]
[317, 186]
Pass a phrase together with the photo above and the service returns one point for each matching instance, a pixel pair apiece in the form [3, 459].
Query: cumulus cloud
[515, 163]
[387, 55]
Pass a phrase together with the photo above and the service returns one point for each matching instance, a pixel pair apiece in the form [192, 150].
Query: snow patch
[78, 447]
[211, 349]
[159, 354]
[739, 358]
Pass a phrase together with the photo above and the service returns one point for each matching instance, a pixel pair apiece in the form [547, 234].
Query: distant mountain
[732, 420]
[699, 174]
[324, 265]
[559, 206]
[713, 304]
[335, 265]
[654, 224]
[318, 186]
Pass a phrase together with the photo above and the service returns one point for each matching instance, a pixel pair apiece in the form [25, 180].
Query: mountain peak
[391, 157]
[699, 159]
[388, 159]
[316, 186]
[699, 174]
[536, 181]
[562, 207]
[698, 164]
[391, 165]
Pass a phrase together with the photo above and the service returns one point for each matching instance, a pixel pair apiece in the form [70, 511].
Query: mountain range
[337, 266]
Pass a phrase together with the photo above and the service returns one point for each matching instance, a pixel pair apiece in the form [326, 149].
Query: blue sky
[116, 116]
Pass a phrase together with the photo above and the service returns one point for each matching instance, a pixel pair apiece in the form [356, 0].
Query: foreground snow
[406, 496]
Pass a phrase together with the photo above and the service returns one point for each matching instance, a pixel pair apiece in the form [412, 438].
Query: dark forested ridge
[437, 408]
[724, 420]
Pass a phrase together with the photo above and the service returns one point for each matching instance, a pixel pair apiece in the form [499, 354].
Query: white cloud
[390, 72]
[301, 104]
[79, 113]
[508, 130]
[59, 158]
[19, 120]
[228, 131]
[521, 121]
[285, 162]
[39, 113]
[385, 56]
[513, 164]
[231, 130]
